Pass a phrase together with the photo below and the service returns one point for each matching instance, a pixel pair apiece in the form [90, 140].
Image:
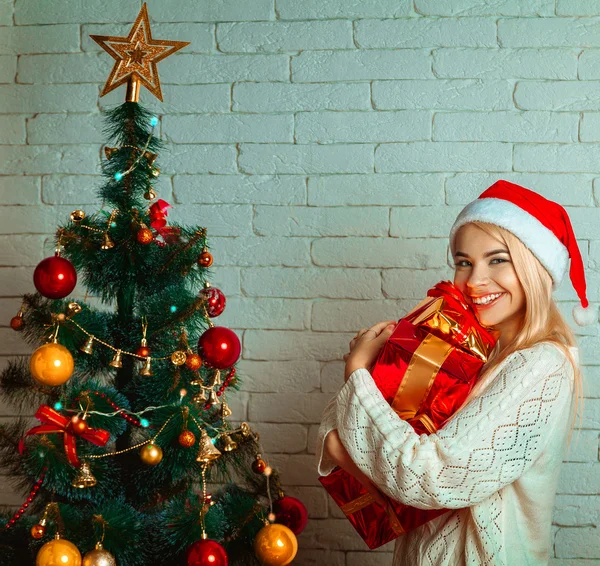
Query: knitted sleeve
[486, 445]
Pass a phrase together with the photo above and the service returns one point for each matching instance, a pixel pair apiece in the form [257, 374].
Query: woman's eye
[463, 261]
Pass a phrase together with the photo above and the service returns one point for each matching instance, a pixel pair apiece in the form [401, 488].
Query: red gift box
[425, 371]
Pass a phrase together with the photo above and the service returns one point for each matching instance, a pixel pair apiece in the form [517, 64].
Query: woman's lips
[488, 305]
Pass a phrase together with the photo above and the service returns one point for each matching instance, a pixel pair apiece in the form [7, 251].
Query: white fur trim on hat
[585, 316]
[541, 241]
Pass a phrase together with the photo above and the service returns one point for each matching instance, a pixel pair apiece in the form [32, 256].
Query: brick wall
[327, 146]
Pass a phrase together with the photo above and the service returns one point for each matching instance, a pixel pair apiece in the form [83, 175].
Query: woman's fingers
[380, 327]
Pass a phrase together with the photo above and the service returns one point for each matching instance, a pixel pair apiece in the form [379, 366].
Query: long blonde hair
[542, 321]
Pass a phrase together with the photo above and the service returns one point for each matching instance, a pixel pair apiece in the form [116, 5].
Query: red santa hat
[542, 225]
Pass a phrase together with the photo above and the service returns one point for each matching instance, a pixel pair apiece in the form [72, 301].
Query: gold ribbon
[364, 501]
[423, 367]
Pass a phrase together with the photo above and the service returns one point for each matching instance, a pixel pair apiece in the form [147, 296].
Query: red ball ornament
[16, 322]
[78, 425]
[219, 347]
[145, 236]
[214, 299]
[187, 439]
[207, 553]
[193, 362]
[143, 351]
[259, 465]
[205, 259]
[55, 277]
[292, 513]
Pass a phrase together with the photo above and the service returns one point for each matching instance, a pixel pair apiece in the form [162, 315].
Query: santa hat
[542, 225]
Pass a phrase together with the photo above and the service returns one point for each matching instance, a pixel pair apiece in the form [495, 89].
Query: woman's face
[485, 274]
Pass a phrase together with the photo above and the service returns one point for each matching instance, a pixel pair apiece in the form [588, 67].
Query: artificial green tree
[130, 438]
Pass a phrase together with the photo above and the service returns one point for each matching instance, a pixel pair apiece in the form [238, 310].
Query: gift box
[425, 371]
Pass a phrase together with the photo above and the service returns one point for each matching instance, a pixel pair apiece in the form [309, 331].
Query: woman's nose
[478, 277]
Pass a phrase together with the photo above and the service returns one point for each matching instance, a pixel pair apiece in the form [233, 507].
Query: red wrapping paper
[425, 370]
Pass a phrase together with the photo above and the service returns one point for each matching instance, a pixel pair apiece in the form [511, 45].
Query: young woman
[495, 464]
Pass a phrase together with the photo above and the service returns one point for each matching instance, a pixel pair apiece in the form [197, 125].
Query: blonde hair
[542, 321]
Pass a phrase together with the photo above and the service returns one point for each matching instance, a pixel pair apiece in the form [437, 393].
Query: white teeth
[485, 300]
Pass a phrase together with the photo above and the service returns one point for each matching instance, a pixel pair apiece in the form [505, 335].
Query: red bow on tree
[55, 422]
[158, 221]
[158, 214]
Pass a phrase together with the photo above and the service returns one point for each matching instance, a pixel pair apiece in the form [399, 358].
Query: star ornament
[136, 57]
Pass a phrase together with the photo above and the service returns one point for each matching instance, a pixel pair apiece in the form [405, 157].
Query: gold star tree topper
[135, 58]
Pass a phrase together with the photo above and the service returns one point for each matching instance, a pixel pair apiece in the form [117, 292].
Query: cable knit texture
[494, 464]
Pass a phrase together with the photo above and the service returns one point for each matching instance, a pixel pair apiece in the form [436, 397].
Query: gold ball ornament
[51, 364]
[178, 358]
[151, 454]
[58, 552]
[99, 557]
[275, 545]
[77, 216]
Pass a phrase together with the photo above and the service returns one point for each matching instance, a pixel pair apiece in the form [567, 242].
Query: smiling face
[486, 276]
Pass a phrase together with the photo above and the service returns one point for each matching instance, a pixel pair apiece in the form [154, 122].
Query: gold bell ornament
[57, 552]
[84, 477]
[147, 369]
[150, 157]
[229, 445]
[87, 347]
[110, 151]
[208, 451]
[107, 243]
[99, 557]
[225, 410]
[199, 397]
[72, 309]
[150, 194]
[212, 398]
[116, 362]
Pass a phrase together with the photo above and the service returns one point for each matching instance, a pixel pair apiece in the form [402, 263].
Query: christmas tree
[133, 419]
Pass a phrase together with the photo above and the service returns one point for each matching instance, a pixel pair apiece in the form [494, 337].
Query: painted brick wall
[327, 145]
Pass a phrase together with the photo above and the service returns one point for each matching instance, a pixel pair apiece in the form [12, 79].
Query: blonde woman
[495, 463]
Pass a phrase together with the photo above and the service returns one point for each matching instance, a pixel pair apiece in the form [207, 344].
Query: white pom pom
[585, 317]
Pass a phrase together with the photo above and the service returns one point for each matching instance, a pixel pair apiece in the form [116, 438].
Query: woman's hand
[365, 346]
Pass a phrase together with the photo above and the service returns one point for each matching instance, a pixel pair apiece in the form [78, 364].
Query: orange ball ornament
[58, 552]
[51, 364]
[187, 439]
[275, 545]
[145, 236]
[78, 424]
[205, 259]
[38, 531]
[193, 362]
[151, 454]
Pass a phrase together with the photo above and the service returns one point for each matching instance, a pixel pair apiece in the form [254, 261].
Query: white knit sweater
[495, 463]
